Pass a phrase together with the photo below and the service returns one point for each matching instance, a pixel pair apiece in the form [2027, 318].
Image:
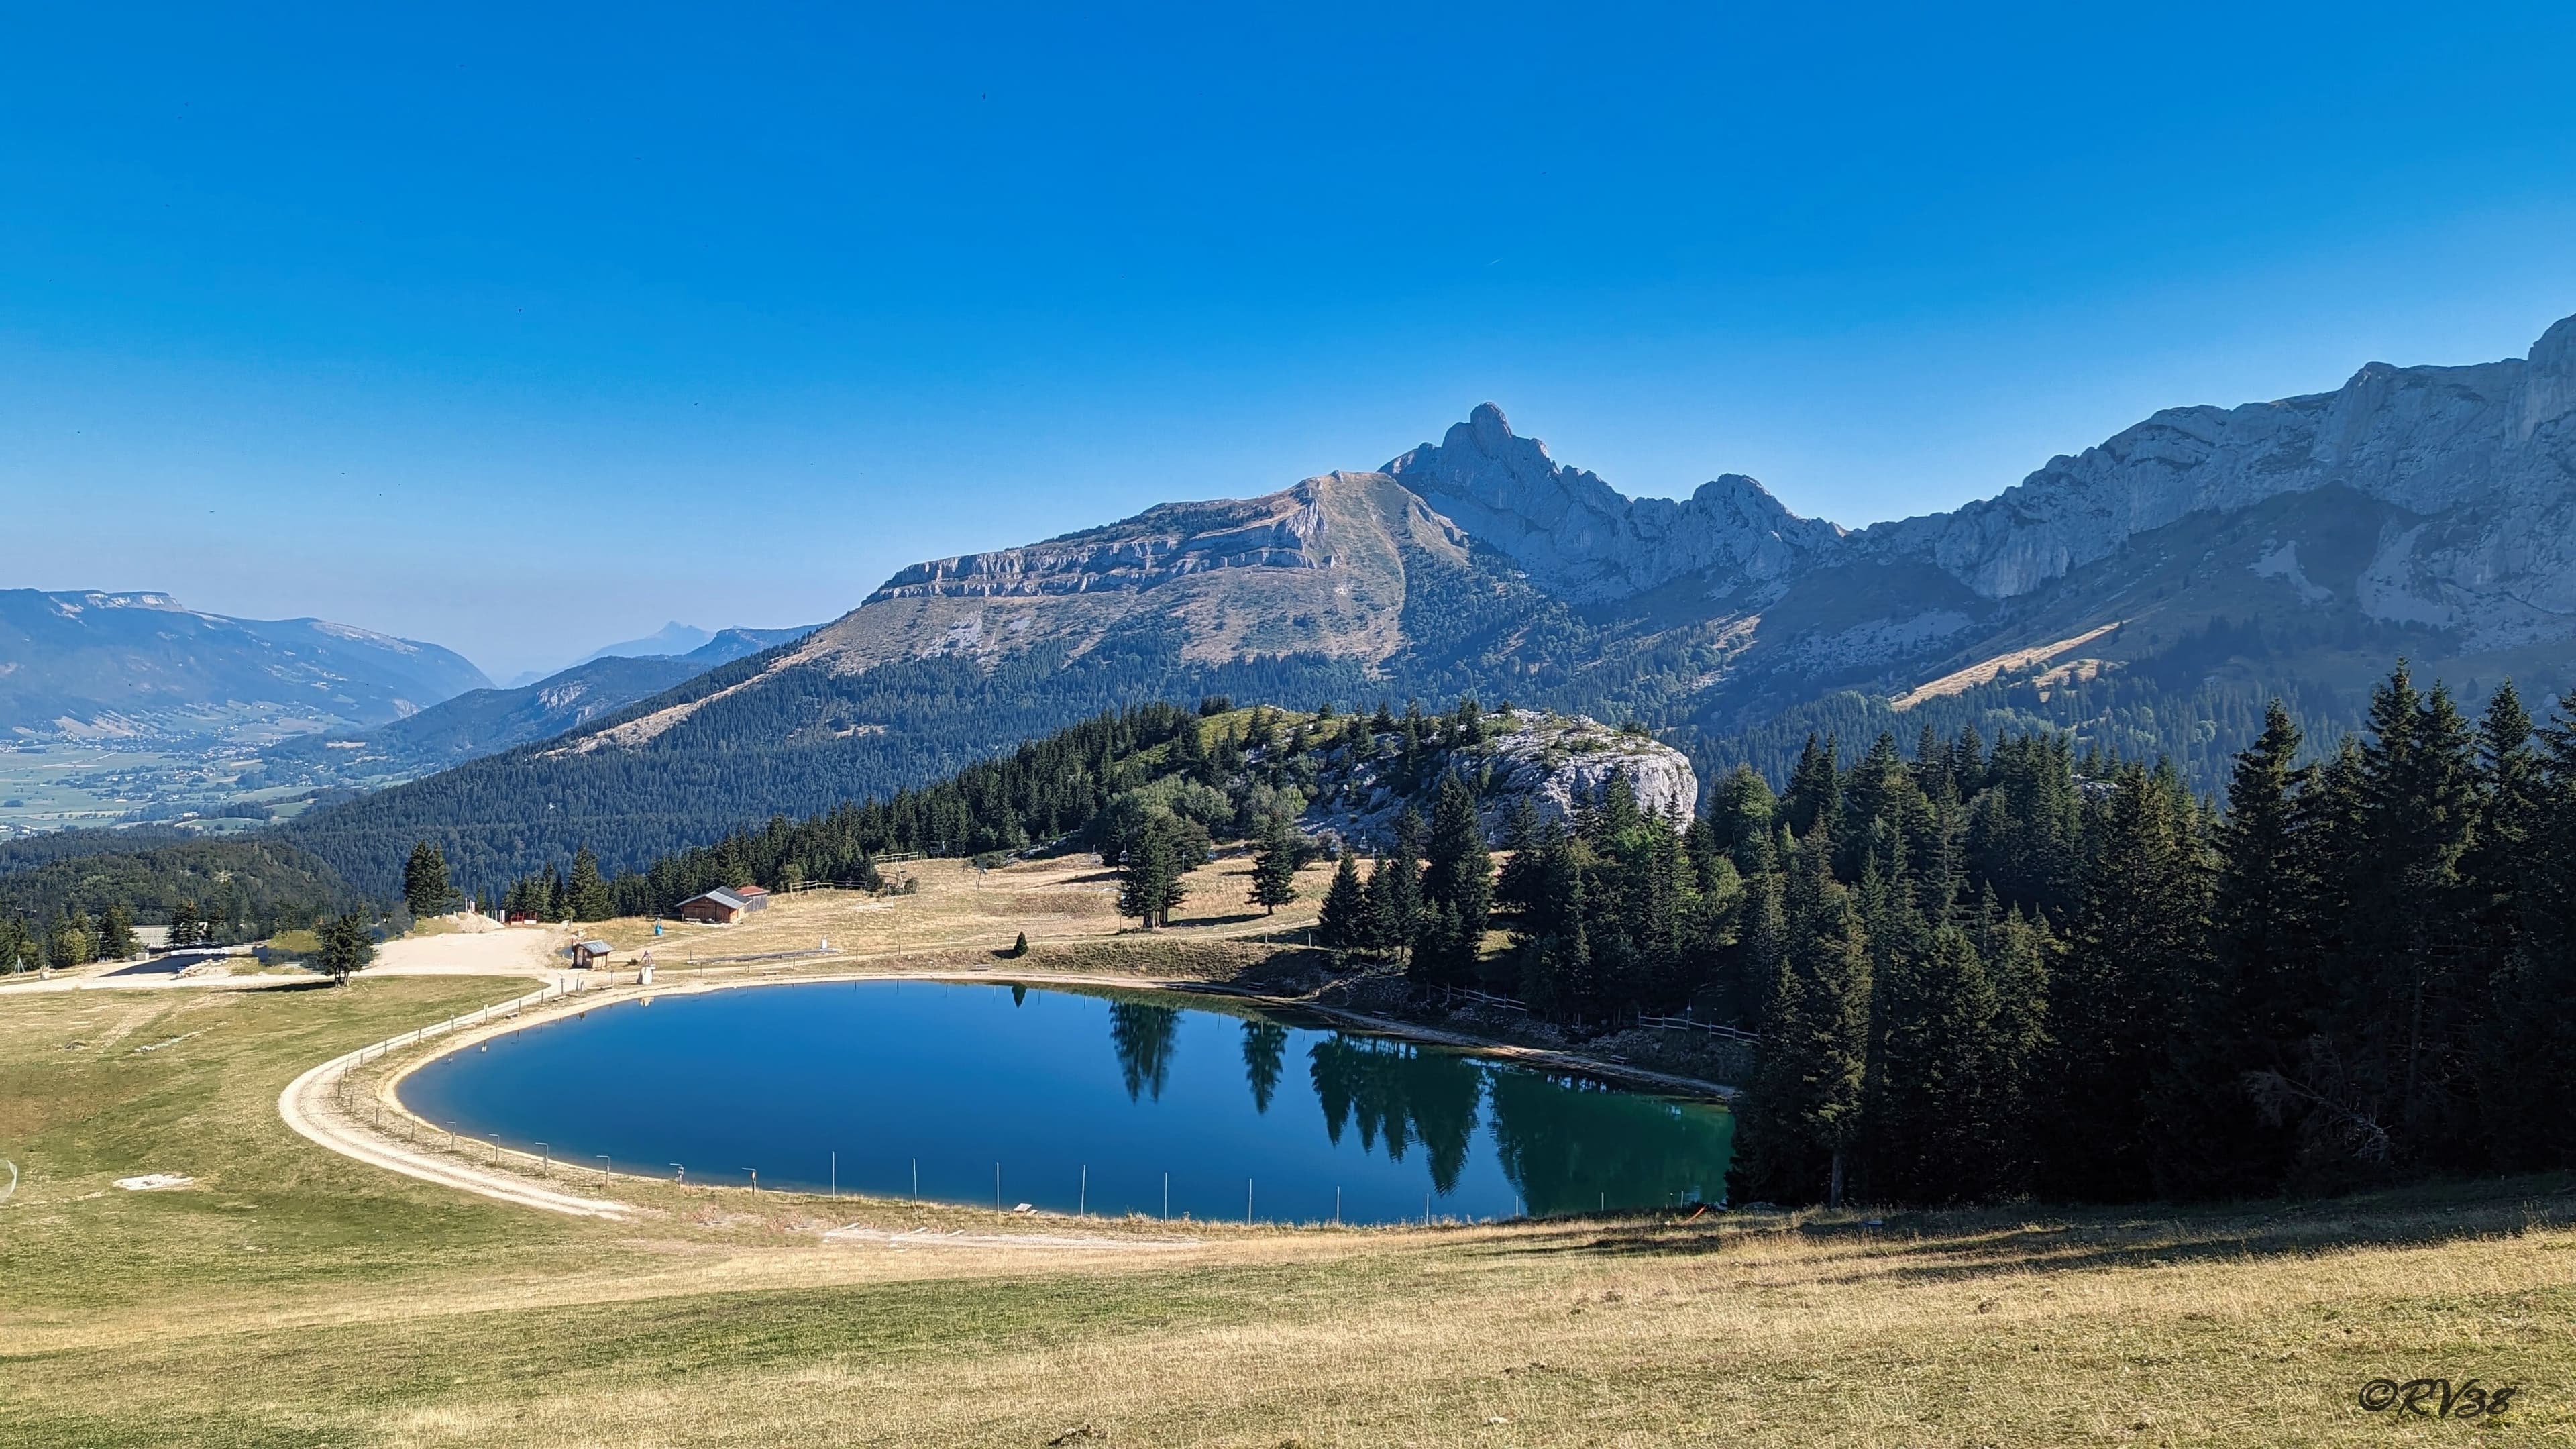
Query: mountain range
[143, 666]
[2147, 594]
[484, 721]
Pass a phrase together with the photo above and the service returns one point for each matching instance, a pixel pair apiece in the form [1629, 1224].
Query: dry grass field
[951, 904]
[289, 1296]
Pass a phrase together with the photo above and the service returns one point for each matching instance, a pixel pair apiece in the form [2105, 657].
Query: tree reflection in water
[1143, 1035]
[1265, 1051]
[1564, 1143]
[1400, 1095]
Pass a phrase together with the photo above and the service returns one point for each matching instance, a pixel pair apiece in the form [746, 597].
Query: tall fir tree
[1342, 921]
[116, 932]
[1939, 1132]
[2136, 938]
[425, 888]
[1815, 789]
[586, 897]
[1457, 890]
[2245, 1004]
[1811, 1068]
[1400, 871]
[1274, 866]
[2527, 1065]
[2400, 997]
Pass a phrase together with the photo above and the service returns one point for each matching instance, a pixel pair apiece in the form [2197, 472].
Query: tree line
[1973, 979]
[1975, 970]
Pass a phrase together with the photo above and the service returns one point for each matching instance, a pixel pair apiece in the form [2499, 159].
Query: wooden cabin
[718, 907]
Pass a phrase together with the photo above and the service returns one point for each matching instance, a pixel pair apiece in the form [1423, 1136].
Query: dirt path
[310, 1104]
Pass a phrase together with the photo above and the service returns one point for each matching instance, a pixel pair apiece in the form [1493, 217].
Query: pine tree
[1815, 789]
[1401, 903]
[348, 944]
[2021, 957]
[1274, 866]
[2402, 1000]
[1457, 889]
[116, 932]
[2114, 1007]
[1795, 1134]
[1521, 832]
[2507, 853]
[1342, 923]
[187, 928]
[425, 887]
[2527, 1067]
[1147, 875]
[586, 898]
[1743, 815]
[2252, 1001]
[1936, 1132]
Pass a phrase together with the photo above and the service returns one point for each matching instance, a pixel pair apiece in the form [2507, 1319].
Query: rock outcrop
[1558, 763]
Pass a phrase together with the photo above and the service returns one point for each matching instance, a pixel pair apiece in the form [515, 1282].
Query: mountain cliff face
[2484, 454]
[2147, 594]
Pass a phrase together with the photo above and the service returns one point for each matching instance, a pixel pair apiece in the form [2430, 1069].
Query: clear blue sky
[524, 332]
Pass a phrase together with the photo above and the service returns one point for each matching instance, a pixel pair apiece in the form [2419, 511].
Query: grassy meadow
[293, 1297]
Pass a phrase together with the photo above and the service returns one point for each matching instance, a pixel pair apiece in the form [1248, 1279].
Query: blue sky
[523, 332]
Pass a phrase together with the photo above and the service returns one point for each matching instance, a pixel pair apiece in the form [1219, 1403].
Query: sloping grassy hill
[292, 1297]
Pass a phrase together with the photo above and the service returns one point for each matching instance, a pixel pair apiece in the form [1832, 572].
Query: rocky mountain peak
[1577, 536]
[2549, 380]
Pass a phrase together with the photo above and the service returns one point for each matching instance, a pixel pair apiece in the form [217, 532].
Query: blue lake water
[1085, 1100]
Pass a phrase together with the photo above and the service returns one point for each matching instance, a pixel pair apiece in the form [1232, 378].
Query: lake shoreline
[370, 1140]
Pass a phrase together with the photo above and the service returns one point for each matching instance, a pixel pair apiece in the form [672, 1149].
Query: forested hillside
[252, 885]
[1980, 974]
[826, 741]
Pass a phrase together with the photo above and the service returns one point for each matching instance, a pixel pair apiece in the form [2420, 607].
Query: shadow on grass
[1975, 1242]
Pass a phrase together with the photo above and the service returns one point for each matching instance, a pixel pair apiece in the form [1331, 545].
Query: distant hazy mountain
[672, 638]
[681, 641]
[141, 665]
[474, 724]
[2147, 594]
[727, 645]
[486, 721]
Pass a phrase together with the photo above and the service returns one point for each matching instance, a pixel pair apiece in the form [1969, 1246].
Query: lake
[1111, 1102]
